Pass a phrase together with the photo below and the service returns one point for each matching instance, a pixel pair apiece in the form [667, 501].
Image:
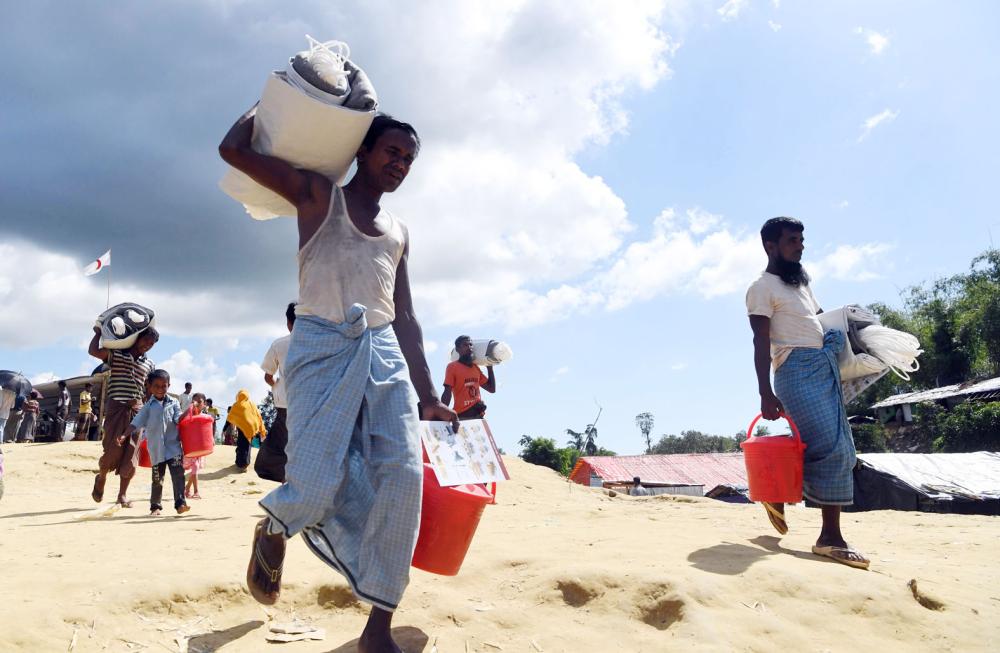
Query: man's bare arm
[446, 396]
[491, 380]
[308, 191]
[770, 407]
[411, 342]
[95, 349]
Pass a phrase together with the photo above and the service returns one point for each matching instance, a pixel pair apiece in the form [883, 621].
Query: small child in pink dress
[193, 465]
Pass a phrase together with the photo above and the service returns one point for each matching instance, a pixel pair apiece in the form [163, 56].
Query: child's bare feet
[155, 512]
[183, 509]
[195, 496]
[124, 502]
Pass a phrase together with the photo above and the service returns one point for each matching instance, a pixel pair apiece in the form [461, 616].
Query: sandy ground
[554, 567]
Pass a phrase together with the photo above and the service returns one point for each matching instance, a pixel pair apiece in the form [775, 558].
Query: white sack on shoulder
[309, 129]
[488, 352]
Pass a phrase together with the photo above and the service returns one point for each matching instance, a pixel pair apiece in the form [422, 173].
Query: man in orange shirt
[463, 378]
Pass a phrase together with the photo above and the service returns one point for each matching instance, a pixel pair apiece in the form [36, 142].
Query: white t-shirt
[273, 364]
[184, 400]
[793, 312]
[6, 403]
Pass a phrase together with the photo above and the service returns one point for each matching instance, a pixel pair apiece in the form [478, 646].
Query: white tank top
[341, 266]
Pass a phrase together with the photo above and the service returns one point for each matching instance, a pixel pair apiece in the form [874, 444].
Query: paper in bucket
[468, 456]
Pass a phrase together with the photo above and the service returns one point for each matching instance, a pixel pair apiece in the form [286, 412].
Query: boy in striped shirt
[126, 392]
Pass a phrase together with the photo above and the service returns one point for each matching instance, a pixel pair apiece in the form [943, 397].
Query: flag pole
[109, 285]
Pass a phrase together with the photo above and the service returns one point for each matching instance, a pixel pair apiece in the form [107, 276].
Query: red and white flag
[98, 265]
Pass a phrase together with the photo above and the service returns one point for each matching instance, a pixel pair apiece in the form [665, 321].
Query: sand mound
[554, 567]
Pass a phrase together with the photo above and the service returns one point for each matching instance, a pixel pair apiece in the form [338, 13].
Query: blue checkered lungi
[354, 477]
[808, 386]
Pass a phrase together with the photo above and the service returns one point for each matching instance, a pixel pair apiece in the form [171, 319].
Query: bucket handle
[788, 418]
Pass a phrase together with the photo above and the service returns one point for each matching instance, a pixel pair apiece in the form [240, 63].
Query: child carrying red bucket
[193, 464]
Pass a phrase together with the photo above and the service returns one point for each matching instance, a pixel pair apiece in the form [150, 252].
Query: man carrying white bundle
[463, 379]
[354, 475]
[788, 335]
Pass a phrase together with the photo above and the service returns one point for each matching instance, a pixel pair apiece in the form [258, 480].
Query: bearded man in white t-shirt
[788, 336]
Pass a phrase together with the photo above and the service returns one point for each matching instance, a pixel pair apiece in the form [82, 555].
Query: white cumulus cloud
[208, 378]
[883, 117]
[877, 42]
[732, 9]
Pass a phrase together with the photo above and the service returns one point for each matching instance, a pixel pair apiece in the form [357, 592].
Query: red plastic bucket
[144, 459]
[448, 521]
[774, 464]
[197, 435]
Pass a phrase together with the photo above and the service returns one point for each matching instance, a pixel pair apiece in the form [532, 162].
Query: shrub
[969, 426]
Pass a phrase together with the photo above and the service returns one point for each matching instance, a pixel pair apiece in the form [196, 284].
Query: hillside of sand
[554, 567]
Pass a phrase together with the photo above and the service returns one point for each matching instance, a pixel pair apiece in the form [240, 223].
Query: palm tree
[575, 439]
[585, 442]
[645, 423]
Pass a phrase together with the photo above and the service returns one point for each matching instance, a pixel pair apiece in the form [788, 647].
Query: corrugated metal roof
[987, 388]
[708, 469]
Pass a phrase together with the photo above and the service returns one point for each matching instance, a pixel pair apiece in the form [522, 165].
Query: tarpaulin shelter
[964, 483]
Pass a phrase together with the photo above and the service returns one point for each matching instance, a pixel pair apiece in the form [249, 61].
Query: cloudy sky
[591, 184]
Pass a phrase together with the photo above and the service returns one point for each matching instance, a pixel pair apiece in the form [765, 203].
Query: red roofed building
[709, 470]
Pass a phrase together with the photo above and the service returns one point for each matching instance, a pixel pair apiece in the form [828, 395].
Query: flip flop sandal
[839, 554]
[97, 494]
[777, 518]
[259, 562]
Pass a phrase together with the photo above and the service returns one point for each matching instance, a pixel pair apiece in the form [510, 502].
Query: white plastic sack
[852, 365]
[303, 130]
[488, 352]
[898, 349]
[121, 325]
[321, 67]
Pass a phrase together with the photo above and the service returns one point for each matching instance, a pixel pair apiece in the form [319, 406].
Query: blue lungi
[808, 386]
[354, 477]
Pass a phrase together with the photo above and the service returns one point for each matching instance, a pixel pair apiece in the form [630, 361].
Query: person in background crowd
[85, 413]
[30, 409]
[62, 412]
[271, 459]
[184, 398]
[637, 490]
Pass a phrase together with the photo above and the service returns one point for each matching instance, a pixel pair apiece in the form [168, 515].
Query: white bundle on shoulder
[897, 349]
[314, 115]
[488, 352]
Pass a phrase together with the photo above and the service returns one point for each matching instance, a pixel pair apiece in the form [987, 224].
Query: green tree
[870, 438]
[695, 442]
[541, 451]
[645, 423]
[585, 442]
[969, 426]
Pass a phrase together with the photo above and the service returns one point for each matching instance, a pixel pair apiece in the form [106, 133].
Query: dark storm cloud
[112, 112]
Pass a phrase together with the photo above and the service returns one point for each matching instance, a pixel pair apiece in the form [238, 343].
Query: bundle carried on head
[121, 325]
[314, 115]
[488, 352]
